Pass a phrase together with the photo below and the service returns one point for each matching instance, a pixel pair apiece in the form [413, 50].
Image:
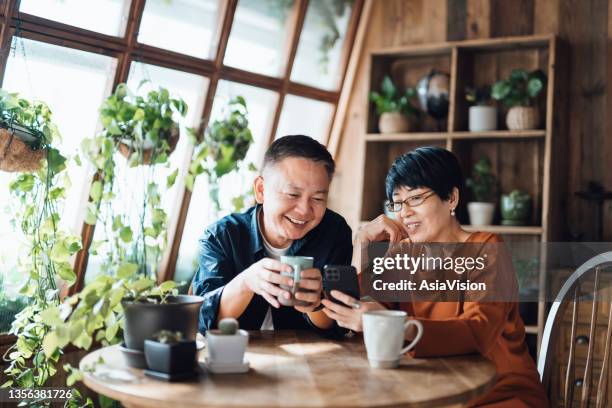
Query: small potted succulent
[393, 107]
[169, 353]
[482, 183]
[482, 116]
[515, 208]
[145, 127]
[518, 93]
[26, 132]
[227, 345]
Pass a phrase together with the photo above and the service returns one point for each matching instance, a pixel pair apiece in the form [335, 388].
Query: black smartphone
[342, 278]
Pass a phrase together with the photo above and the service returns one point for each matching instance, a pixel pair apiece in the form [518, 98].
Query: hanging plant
[36, 201]
[223, 148]
[143, 127]
[26, 130]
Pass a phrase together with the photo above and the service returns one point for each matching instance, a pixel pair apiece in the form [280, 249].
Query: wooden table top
[299, 369]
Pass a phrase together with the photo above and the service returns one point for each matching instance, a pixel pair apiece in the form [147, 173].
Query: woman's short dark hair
[426, 167]
[299, 146]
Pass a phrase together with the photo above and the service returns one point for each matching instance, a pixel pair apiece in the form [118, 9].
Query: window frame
[126, 49]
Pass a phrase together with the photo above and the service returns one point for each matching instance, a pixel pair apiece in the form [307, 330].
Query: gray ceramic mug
[298, 263]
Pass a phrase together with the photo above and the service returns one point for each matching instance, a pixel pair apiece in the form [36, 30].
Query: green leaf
[534, 87]
[50, 344]
[126, 234]
[126, 270]
[167, 286]
[83, 341]
[96, 191]
[55, 160]
[51, 316]
[64, 270]
[171, 178]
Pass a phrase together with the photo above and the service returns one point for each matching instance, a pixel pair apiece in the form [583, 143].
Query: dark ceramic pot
[171, 358]
[143, 320]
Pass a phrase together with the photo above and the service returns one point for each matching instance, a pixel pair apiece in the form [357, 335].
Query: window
[104, 16]
[129, 180]
[184, 26]
[260, 104]
[73, 72]
[258, 36]
[317, 62]
[306, 117]
[80, 82]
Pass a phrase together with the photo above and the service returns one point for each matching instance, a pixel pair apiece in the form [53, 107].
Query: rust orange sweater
[493, 329]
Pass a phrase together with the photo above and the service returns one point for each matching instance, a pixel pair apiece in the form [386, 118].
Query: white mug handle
[419, 327]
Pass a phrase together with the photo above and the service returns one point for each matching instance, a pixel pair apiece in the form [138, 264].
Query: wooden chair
[578, 336]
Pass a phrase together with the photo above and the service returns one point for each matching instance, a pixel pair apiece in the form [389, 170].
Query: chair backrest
[577, 338]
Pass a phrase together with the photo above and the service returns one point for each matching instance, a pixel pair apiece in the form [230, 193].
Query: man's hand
[310, 280]
[263, 278]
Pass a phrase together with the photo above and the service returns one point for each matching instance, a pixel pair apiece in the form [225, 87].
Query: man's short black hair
[299, 146]
[426, 167]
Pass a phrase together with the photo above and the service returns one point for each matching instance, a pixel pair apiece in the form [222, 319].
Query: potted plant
[144, 128]
[392, 107]
[482, 183]
[222, 150]
[482, 116]
[167, 352]
[515, 208]
[226, 347]
[518, 92]
[26, 131]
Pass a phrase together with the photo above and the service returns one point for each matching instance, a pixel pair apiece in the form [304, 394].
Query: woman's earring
[453, 212]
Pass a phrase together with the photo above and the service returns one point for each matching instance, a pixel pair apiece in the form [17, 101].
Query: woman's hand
[382, 228]
[349, 314]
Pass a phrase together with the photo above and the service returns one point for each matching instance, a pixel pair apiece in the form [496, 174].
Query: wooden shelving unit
[521, 159]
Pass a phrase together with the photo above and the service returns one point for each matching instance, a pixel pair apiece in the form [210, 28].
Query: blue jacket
[234, 243]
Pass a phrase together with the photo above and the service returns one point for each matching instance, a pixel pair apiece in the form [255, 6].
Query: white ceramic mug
[383, 333]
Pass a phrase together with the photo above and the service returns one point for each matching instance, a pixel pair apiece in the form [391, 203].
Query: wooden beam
[6, 34]
[335, 138]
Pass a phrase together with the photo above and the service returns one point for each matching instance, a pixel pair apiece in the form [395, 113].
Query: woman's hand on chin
[382, 228]
[348, 314]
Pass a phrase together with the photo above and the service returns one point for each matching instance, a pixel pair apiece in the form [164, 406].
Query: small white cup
[226, 348]
[383, 333]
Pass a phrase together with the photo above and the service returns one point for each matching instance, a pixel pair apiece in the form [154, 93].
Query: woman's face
[431, 220]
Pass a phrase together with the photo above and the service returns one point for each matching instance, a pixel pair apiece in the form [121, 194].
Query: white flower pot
[226, 348]
[393, 122]
[481, 213]
[522, 118]
[482, 118]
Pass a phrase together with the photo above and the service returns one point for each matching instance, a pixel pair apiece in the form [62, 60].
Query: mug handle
[297, 271]
[419, 326]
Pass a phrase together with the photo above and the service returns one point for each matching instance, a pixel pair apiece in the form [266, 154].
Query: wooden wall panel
[586, 28]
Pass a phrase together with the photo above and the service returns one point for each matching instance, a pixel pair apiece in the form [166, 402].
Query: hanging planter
[143, 128]
[147, 148]
[16, 155]
[26, 131]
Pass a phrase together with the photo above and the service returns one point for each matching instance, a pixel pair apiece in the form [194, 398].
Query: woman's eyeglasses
[414, 201]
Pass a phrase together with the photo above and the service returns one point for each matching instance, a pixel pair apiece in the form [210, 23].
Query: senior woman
[423, 187]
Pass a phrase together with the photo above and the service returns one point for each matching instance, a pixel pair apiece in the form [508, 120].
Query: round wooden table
[298, 369]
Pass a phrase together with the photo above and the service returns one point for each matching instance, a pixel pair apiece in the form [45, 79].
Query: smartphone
[342, 278]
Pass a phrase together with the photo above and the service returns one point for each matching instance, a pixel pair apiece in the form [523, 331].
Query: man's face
[294, 197]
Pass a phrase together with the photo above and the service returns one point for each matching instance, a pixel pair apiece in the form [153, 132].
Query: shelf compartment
[506, 229]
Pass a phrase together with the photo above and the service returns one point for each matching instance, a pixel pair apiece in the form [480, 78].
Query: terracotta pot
[126, 148]
[16, 155]
[393, 122]
[522, 118]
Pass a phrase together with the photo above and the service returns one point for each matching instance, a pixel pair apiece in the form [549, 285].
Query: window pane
[129, 180]
[305, 116]
[185, 26]
[258, 38]
[80, 82]
[317, 61]
[260, 105]
[104, 16]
